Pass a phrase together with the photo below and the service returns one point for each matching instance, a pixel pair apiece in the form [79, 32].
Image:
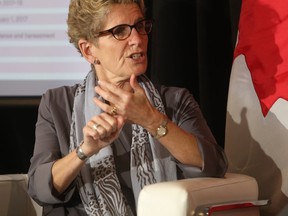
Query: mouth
[136, 56]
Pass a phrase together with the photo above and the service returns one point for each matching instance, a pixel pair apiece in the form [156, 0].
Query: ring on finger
[95, 126]
[113, 111]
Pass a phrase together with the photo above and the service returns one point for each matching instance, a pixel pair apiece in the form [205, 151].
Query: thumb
[133, 82]
[120, 121]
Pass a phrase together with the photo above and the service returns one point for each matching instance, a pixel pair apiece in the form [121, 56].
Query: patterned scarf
[99, 187]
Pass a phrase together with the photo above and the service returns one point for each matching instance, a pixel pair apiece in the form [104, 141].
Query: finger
[109, 95]
[107, 86]
[120, 122]
[111, 110]
[113, 136]
[104, 124]
[134, 83]
[95, 130]
[111, 122]
[88, 131]
[103, 106]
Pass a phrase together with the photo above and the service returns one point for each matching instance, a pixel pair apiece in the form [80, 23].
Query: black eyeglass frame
[111, 30]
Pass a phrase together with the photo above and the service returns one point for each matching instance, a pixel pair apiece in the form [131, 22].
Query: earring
[96, 61]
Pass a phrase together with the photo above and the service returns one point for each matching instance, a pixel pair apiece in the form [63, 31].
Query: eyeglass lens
[123, 31]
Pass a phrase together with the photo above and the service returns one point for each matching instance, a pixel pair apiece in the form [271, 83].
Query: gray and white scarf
[99, 187]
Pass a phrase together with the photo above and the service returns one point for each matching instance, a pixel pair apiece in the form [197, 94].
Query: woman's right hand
[100, 132]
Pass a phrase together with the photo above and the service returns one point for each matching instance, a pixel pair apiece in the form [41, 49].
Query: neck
[117, 81]
[125, 84]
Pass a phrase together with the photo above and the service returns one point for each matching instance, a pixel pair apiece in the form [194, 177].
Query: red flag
[256, 136]
[263, 40]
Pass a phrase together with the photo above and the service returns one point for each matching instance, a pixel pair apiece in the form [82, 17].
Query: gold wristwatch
[162, 129]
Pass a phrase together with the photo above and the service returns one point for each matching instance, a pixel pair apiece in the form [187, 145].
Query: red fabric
[263, 40]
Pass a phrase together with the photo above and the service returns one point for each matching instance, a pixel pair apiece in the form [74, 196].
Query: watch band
[80, 154]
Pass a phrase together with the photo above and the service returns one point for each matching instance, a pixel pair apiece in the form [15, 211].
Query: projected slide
[35, 53]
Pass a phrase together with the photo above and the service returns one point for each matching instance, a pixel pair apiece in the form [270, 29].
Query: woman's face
[121, 58]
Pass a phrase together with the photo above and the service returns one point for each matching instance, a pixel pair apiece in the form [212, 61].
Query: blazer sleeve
[51, 143]
[184, 110]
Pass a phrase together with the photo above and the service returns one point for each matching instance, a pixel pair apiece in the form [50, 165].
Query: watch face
[161, 131]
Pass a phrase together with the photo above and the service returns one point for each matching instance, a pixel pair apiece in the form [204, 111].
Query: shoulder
[173, 89]
[180, 105]
[171, 94]
[59, 97]
[61, 91]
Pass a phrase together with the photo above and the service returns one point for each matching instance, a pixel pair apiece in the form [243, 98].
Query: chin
[138, 73]
[140, 70]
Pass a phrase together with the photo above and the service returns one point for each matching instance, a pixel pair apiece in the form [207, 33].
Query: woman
[99, 142]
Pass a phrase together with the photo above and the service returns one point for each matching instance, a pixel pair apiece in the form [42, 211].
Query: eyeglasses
[123, 31]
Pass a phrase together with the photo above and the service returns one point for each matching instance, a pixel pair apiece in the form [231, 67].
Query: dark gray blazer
[52, 142]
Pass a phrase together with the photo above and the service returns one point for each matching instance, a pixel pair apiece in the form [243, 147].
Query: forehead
[123, 14]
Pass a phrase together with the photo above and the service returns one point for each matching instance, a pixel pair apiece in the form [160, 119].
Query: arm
[189, 139]
[53, 118]
[186, 113]
[53, 168]
[186, 153]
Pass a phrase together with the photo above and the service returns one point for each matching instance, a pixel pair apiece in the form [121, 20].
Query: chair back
[14, 199]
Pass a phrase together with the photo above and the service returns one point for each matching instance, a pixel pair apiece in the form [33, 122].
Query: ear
[86, 50]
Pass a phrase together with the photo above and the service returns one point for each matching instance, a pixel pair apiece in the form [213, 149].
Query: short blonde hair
[86, 17]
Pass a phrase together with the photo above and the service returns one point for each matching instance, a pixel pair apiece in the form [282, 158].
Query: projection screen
[35, 53]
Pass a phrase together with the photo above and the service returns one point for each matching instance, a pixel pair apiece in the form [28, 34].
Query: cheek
[111, 56]
[117, 53]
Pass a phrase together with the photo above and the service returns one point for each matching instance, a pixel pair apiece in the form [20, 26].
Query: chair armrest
[14, 199]
[182, 197]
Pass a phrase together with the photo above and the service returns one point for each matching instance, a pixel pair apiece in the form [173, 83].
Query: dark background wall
[191, 46]
[18, 117]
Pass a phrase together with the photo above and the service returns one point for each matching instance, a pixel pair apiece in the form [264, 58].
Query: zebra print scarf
[99, 187]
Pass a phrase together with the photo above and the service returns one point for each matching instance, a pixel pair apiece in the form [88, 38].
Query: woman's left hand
[133, 104]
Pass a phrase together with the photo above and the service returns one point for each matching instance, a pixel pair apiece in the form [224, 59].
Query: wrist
[161, 129]
[80, 153]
